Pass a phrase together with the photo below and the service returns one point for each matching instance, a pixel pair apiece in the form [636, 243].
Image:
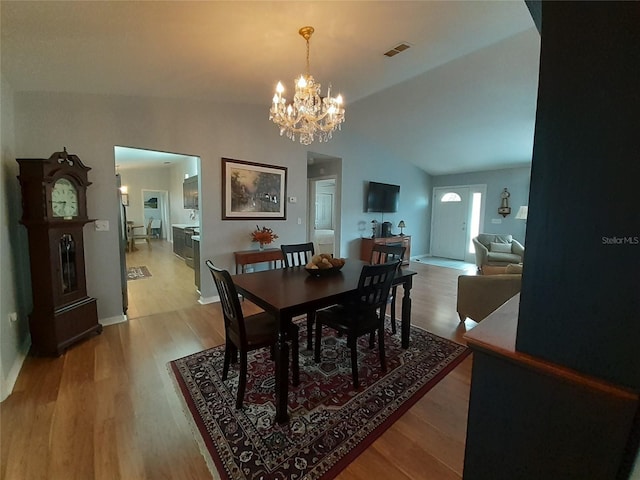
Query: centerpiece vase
[261, 246]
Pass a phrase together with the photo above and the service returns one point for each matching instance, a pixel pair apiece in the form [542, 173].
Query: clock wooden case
[54, 211]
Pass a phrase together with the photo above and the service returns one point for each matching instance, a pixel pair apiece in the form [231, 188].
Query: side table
[248, 257]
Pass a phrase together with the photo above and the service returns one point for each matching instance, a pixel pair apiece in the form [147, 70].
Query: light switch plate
[102, 225]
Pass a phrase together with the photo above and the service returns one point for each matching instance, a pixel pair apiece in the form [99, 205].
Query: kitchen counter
[185, 225]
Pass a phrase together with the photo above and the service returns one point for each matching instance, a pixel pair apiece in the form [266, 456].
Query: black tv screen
[383, 197]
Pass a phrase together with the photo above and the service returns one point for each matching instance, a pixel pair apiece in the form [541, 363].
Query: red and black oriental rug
[330, 425]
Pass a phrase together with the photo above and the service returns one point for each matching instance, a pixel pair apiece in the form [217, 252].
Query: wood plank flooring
[170, 287]
[107, 408]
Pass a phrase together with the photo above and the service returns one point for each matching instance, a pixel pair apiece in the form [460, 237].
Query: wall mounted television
[383, 197]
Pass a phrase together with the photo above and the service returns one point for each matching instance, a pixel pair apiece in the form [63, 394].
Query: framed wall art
[253, 191]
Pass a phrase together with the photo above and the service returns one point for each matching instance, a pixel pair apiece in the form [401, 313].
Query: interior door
[449, 225]
[324, 211]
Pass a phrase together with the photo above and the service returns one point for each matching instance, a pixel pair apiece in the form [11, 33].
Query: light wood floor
[171, 286]
[107, 408]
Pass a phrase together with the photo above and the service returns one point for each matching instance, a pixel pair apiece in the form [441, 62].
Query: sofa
[480, 295]
[497, 250]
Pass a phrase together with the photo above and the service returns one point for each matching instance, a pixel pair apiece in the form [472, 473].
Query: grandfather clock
[54, 211]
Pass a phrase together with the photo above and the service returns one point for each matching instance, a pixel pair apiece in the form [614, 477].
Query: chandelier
[309, 115]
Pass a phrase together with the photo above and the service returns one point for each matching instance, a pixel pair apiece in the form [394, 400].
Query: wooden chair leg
[316, 355]
[242, 380]
[372, 340]
[383, 359]
[310, 319]
[295, 354]
[234, 353]
[393, 310]
[227, 360]
[353, 343]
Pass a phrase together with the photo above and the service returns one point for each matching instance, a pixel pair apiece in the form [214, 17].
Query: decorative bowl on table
[324, 264]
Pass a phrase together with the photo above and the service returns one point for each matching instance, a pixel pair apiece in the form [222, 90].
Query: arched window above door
[450, 197]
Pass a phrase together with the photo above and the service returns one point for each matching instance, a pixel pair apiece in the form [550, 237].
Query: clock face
[64, 199]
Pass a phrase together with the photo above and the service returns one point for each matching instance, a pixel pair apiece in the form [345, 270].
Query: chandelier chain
[308, 61]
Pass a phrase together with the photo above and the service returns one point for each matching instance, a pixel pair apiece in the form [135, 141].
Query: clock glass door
[68, 263]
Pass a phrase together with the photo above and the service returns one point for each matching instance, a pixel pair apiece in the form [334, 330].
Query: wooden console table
[248, 257]
[366, 246]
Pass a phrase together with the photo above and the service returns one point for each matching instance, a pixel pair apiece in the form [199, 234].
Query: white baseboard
[6, 386]
[113, 320]
[205, 300]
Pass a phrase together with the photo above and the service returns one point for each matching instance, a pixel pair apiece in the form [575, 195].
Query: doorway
[324, 174]
[156, 279]
[322, 214]
[156, 211]
[457, 215]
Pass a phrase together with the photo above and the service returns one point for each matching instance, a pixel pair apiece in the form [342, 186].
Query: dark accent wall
[581, 284]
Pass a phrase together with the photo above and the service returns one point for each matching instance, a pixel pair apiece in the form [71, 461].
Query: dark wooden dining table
[289, 292]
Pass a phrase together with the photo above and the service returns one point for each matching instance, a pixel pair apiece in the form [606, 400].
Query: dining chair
[244, 334]
[144, 236]
[381, 253]
[298, 255]
[361, 314]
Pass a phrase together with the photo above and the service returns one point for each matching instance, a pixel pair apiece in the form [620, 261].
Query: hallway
[170, 287]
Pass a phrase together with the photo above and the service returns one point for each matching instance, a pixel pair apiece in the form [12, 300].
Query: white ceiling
[461, 98]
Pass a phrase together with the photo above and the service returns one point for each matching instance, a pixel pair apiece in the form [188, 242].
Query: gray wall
[15, 279]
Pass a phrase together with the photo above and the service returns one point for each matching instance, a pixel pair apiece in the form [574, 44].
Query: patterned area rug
[136, 273]
[330, 423]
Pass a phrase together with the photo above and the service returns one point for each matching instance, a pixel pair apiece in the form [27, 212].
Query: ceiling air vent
[397, 49]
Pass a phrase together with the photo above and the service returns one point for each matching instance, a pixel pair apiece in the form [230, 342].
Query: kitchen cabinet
[190, 192]
[178, 241]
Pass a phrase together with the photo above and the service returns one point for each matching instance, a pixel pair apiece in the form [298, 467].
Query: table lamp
[401, 226]
[523, 211]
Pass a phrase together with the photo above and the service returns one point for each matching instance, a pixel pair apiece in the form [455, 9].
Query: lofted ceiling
[461, 98]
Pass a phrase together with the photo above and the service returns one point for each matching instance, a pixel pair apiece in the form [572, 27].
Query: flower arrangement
[263, 235]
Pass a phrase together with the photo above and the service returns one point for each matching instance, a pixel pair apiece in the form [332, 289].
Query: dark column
[581, 283]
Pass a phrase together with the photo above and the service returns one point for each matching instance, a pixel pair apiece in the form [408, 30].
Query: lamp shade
[522, 212]
[401, 224]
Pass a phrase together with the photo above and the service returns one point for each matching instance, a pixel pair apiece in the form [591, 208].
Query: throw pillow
[500, 247]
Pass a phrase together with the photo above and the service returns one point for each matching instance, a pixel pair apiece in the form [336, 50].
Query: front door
[449, 225]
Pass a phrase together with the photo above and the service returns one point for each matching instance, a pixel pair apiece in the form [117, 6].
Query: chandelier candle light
[309, 115]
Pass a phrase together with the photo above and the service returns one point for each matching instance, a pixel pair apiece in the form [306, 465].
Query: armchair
[480, 295]
[497, 250]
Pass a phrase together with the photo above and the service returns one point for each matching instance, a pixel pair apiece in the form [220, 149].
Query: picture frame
[125, 199]
[252, 190]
